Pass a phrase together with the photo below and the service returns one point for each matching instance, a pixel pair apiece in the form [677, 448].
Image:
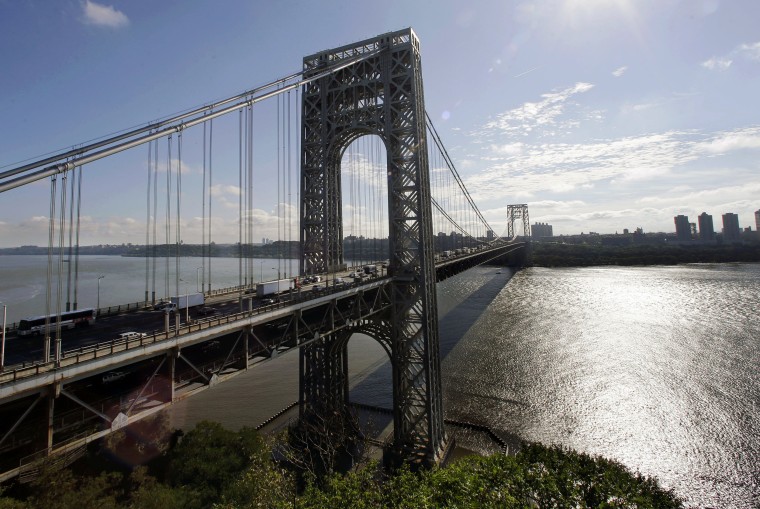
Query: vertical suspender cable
[298, 168]
[179, 217]
[362, 200]
[240, 205]
[203, 215]
[61, 245]
[349, 182]
[280, 138]
[76, 252]
[69, 268]
[281, 193]
[288, 254]
[147, 221]
[167, 226]
[244, 194]
[210, 174]
[249, 214]
[277, 180]
[382, 183]
[375, 197]
[155, 222]
[51, 232]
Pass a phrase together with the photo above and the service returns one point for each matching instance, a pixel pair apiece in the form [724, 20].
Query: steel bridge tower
[518, 212]
[378, 95]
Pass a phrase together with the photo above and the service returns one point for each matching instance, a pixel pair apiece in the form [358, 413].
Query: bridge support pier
[172, 368]
[323, 377]
[53, 393]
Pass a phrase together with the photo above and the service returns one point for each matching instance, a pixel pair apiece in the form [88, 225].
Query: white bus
[69, 320]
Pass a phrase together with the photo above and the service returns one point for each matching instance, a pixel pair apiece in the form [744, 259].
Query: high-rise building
[683, 229]
[731, 230]
[757, 220]
[490, 235]
[541, 230]
[706, 228]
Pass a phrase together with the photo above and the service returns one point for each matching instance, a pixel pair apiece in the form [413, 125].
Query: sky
[599, 114]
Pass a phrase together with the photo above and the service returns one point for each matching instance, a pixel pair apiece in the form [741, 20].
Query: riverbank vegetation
[210, 467]
[551, 254]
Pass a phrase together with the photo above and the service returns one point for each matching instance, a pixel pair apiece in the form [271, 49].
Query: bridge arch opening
[364, 200]
[370, 392]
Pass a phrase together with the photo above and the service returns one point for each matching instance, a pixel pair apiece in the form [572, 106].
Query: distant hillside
[574, 255]
[353, 248]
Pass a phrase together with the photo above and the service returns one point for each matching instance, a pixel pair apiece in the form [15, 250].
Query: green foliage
[147, 493]
[538, 476]
[57, 488]
[213, 467]
[263, 484]
[209, 458]
[559, 477]
[356, 490]
[11, 503]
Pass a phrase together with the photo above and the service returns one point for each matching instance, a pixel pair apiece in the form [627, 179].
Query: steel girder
[381, 95]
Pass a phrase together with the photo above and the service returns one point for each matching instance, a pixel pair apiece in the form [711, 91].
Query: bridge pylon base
[395, 457]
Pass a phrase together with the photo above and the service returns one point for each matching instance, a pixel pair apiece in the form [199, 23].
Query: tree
[209, 458]
[324, 442]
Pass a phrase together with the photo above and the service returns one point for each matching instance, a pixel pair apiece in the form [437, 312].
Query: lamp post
[97, 308]
[2, 345]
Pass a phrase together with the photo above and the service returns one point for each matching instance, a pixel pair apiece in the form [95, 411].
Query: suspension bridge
[359, 180]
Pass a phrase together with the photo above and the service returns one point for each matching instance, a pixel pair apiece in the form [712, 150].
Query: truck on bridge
[274, 287]
[186, 301]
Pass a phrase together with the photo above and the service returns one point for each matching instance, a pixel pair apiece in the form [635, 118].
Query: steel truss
[380, 95]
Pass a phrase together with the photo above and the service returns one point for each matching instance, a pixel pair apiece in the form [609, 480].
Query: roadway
[21, 350]
[25, 350]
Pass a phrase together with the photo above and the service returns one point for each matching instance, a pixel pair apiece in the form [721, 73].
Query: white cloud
[554, 204]
[103, 15]
[748, 138]
[509, 149]
[531, 115]
[747, 51]
[751, 51]
[717, 64]
[708, 197]
[563, 167]
[620, 71]
[218, 190]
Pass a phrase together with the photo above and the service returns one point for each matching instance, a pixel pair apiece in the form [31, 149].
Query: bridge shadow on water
[459, 310]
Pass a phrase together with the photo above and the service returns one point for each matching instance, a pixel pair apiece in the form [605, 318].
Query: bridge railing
[107, 348]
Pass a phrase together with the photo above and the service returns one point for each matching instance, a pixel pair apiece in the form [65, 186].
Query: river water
[656, 367]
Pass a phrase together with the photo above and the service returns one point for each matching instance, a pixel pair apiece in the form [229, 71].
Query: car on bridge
[113, 376]
[132, 335]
